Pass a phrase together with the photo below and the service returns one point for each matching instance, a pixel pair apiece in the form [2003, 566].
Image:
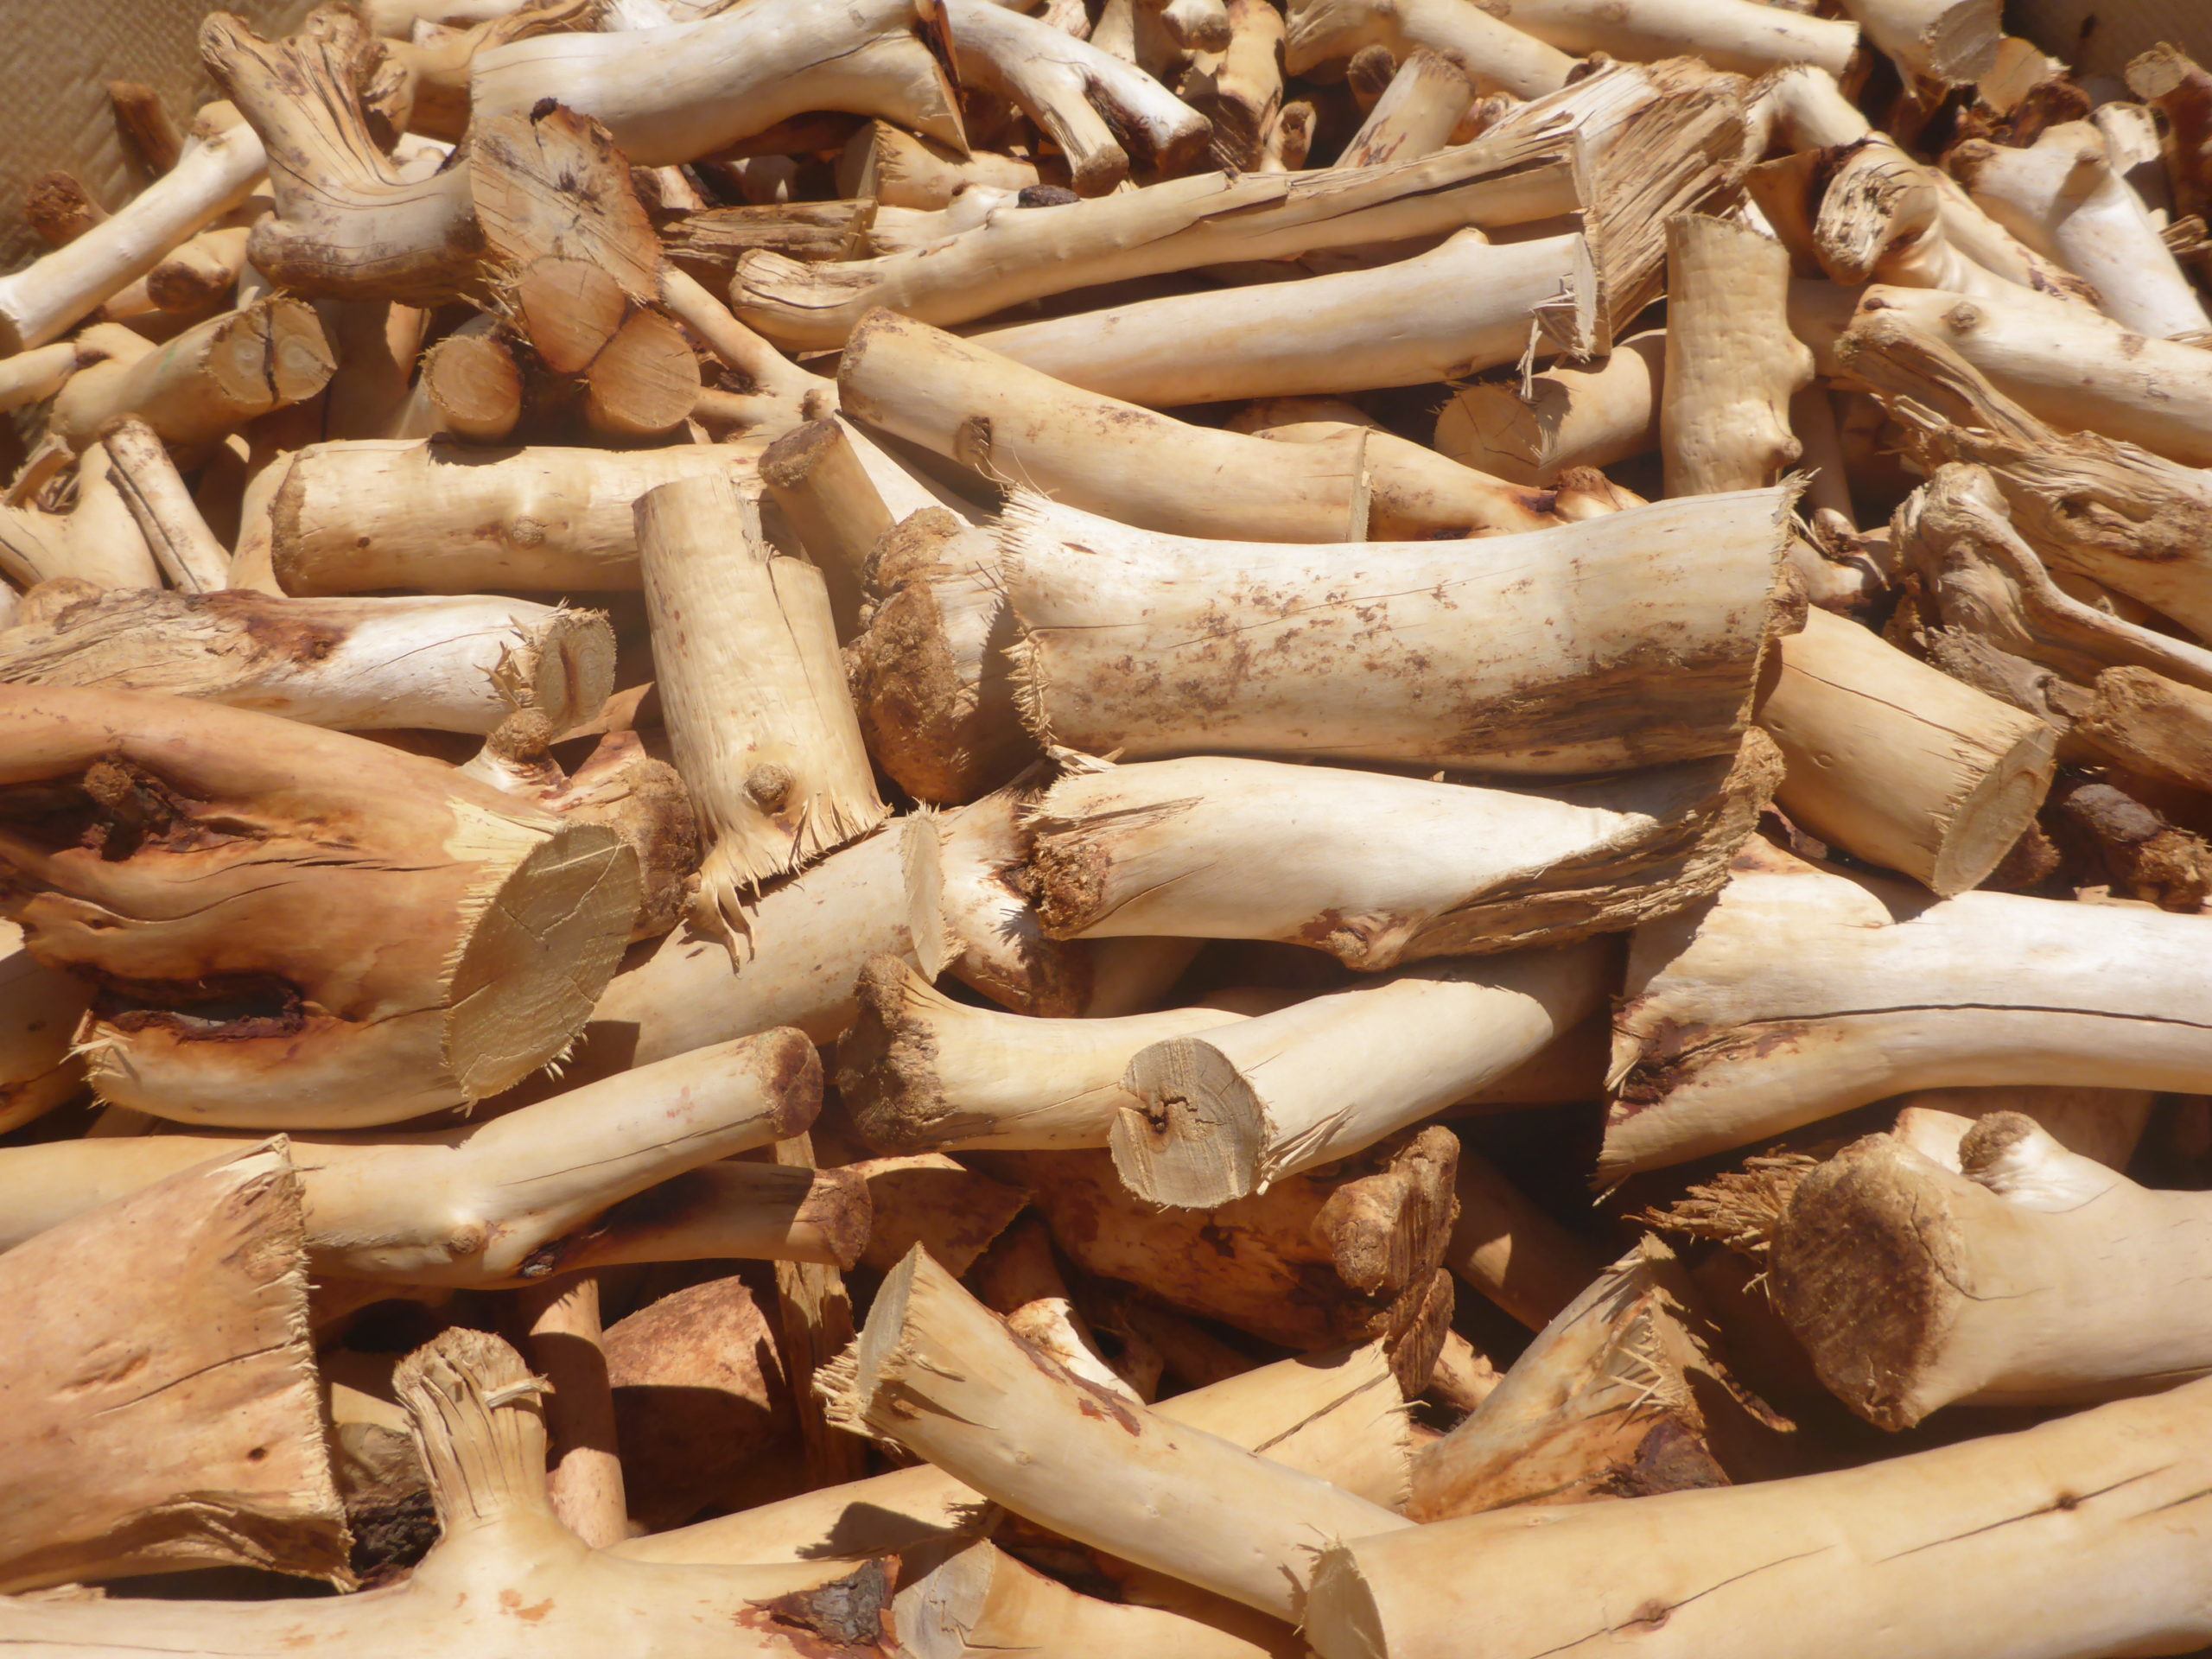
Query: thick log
[1417, 115]
[1626, 640]
[815, 475]
[1732, 365]
[161, 1406]
[1737, 35]
[1953, 42]
[1394, 869]
[208, 382]
[724, 1210]
[1494, 55]
[1529, 432]
[175, 852]
[994, 942]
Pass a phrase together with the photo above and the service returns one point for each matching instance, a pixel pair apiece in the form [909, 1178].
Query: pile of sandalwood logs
[1117, 827]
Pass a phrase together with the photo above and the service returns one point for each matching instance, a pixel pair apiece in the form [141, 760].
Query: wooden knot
[769, 786]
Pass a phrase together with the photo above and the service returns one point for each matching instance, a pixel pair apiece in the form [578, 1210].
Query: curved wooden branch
[1493, 55]
[1737, 35]
[1381, 870]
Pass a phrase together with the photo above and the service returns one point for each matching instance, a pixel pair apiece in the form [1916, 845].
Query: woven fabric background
[53, 104]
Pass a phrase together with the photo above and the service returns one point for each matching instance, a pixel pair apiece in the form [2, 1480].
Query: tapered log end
[474, 1411]
[2000, 809]
[1865, 1270]
[1197, 1140]
[885, 1062]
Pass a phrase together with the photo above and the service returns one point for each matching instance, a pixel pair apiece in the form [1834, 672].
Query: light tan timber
[1417, 114]
[1736, 35]
[2167, 78]
[1016, 1426]
[930, 680]
[1018, 426]
[645, 382]
[2062, 197]
[206, 383]
[432, 68]
[1733, 365]
[467, 520]
[1221, 1114]
[1529, 432]
[896, 168]
[1379, 870]
[355, 664]
[2151, 725]
[58, 209]
[1885, 218]
[186, 551]
[39, 1012]
[476, 1204]
[1721, 1041]
[785, 393]
[2028, 1275]
[171, 1420]
[349, 222]
[476, 1416]
[1346, 1252]
[2104, 1125]
[673, 94]
[814, 1312]
[805, 230]
[460, 935]
[1464, 307]
[96, 541]
[1953, 42]
[720, 1210]
[2120, 515]
[217, 172]
[1027, 253]
[815, 475]
[1494, 55]
[994, 942]
[2085, 1535]
[806, 939]
[1416, 494]
[583, 1477]
[1624, 640]
[1621, 1395]
[1097, 108]
[1336, 1415]
[1018, 1279]
[1239, 88]
[470, 385]
[34, 376]
[745, 654]
[1898, 764]
[928, 1198]
[1513, 1252]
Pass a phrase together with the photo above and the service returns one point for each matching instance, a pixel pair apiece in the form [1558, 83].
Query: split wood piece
[432, 68]
[356, 664]
[186, 551]
[2151, 726]
[762, 727]
[1416, 494]
[1015, 1425]
[2035, 1276]
[1322, 1258]
[2125, 519]
[815, 475]
[96, 541]
[1440, 316]
[2114, 1495]
[583, 1477]
[1103, 113]
[2165, 77]
[1953, 42]
[1897, 762]
[1990, 614]
[217, 172]
[1226, 1113]
[349, 222]
[897, 168]
[40, 1009]
[208, 382]
[1512, 1251]
[1621, 1395]
[815, 1313]
[805, 941]
[993, 941]
[728, 1210]
[674, 94]
[1019, 1280]
[1427, 98]
[469, 385]
[1721, 1042]
[2067, 366]
[926, 1198]
[1239, 88]
[1493, 55]
[1335, 1415]
[2104, 1125]
[930, 678]
[370, 937]
[1630, 640]
[919, 1072]
[1203, 847]
[2060, 196]
[701, 1409]
[1032, 253]
[475, 1418]
[1018, 426]
[170, 1418]
[645, 381]
[1530, 431]
[982, 1601]
[1733, 365]
[483, 1204]
[804, 230]
[370, 516]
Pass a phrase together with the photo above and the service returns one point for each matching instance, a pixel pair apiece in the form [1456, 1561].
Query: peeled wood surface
[160, 1392]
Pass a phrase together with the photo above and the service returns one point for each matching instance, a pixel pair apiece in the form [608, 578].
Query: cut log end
[1198, 1140]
